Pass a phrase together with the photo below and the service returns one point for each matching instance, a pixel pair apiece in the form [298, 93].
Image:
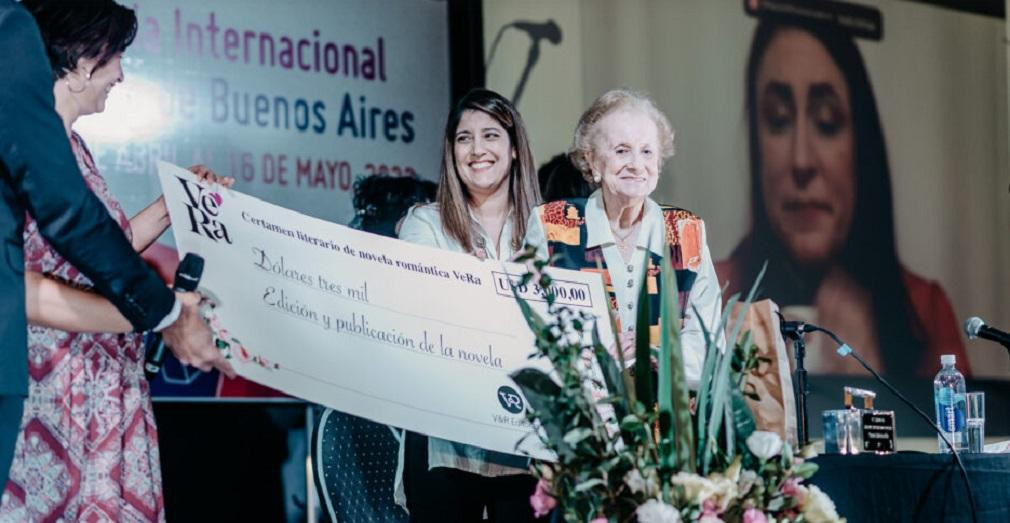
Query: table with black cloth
[914, 486]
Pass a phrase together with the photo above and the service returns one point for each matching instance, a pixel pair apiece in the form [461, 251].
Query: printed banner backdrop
[318, 310]
[937, 78]
[294, 99]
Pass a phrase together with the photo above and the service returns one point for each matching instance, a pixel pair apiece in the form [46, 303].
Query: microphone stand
[531, 60]
[794, 330]
[800, 381]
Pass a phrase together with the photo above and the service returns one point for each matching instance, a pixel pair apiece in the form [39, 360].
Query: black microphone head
[187, 276]
[548, 30]
[972, 326]
[553, 32]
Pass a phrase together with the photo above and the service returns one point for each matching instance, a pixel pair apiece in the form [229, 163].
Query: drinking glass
[975, 421]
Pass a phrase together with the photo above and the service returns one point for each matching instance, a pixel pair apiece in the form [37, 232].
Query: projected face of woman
[807, 144]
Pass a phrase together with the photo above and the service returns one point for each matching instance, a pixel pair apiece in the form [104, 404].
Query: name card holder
[852, 430]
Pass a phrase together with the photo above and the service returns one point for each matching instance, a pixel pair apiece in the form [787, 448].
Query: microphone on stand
[548, 30]
[974, 327]
[187, 277]
[537, 31]
[794, 331]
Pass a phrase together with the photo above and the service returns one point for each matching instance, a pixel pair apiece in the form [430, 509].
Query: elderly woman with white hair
[619, 145]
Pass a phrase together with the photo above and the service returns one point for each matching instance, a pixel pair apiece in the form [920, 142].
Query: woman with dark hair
[487, 189]
[822, 206]
[88, 444]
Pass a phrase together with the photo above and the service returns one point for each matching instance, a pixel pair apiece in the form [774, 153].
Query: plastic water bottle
[948, 393]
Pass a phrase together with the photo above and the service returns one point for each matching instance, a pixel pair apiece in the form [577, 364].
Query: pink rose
[790, 487]
[599, 520]
[753, 515]
[541, 501]
[710, 512]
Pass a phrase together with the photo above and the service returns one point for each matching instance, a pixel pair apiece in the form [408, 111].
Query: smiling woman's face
[805, 132]
[625, 154]
[92, 98]
[483, 153]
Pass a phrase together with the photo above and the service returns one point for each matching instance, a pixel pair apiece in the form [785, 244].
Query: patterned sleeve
[38, 256]
[535, 236]
[705, 308]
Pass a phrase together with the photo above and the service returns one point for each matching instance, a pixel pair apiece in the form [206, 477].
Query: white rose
[696, 488]
[764, 444]
[818, 507]
[746, 482]
[655, 511]
[635, 481]
[724, 491]
[639, 484]
[720, 489]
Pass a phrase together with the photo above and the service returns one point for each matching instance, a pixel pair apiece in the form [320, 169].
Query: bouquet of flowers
[632, 445]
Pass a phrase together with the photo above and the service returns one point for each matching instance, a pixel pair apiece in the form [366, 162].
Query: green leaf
[576, 435]
[611, 463]
[721, 380]
[719, 406]
[533, 319]
[629, 385]
[644, 389]
[674, 403]
[787, 457]
[540, 391]
[586, 485]
[743, 420]
[705, 409]
[631, 423]
[612, 376]
[805, 470]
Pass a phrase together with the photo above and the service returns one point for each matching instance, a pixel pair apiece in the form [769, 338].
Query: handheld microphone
[974, 327]
[187, 277]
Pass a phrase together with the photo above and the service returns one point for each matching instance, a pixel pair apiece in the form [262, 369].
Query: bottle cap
[948, 359]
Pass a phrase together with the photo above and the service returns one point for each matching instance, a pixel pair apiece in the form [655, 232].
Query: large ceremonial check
[402, 334]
